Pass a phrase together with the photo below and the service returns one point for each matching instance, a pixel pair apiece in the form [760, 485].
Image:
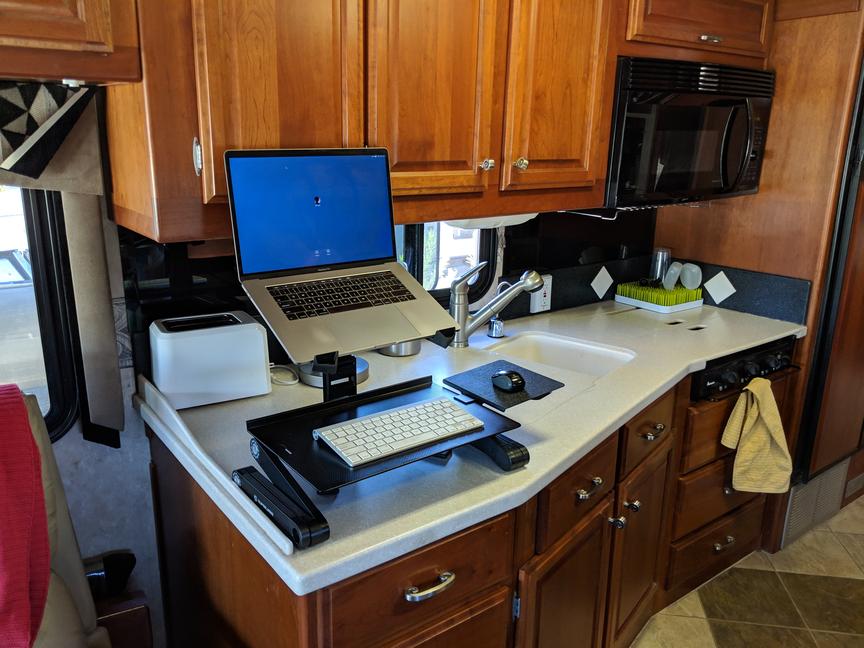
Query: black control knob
[785, 360]
[730, 377]
[771, 363]
[751, 369]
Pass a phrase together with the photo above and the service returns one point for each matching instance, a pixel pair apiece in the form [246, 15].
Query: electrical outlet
[542, 299]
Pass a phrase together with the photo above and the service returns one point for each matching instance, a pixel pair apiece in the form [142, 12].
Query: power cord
[276, 380]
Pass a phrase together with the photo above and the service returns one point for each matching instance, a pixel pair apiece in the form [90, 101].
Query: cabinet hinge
[517, 606]
[197, 156]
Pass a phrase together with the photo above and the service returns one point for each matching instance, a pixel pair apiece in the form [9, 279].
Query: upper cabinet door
[78, 25]
[733, 26]
[431, 67]
[555, 125]
[276, 74]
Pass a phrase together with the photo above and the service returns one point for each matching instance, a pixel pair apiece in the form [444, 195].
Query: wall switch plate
[542, 299]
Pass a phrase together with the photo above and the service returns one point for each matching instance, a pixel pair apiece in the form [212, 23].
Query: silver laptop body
[313, 215]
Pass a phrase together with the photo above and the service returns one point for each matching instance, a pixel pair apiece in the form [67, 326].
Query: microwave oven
[686, 132]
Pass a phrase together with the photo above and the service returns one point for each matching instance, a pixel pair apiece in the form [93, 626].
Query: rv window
[437, 253]
[35, 299]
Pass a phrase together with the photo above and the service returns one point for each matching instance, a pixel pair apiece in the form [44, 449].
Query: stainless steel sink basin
[562, 352]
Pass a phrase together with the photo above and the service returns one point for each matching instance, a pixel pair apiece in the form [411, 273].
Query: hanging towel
[762, 463]
[24, 554]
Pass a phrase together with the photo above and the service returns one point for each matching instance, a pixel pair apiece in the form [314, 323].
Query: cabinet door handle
[583, 495]
[445, 581]
[656, 430]
[197, 156]
[730, 540]
[634, 506]
[488, 164]
[618, 523]
[710, 38]
[521, 164]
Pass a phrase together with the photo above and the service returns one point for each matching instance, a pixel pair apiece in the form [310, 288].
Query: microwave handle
[724, 148]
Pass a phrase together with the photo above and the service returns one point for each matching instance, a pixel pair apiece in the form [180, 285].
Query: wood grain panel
[742, 26]
[218, 590]
[841, 419]
[276, 74]
[559, 505]
[371, 607]
[555, 113]
[38, 57]
[564, 590]
[78, 25]
[654, 421]
[635, 573]
[431, 71]
[794, 9]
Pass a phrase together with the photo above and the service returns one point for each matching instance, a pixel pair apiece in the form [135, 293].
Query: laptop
[316, 251]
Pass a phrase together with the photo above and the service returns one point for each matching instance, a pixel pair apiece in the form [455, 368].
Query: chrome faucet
[530, 281]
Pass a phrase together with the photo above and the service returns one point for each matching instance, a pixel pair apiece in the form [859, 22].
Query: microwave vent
[659, 75]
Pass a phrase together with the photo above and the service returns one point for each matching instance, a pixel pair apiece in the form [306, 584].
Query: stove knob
[751, 369]
[731, 378]
[771, 363]
[785, 360]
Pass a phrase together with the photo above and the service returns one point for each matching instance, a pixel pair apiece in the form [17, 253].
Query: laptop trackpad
[371, 327]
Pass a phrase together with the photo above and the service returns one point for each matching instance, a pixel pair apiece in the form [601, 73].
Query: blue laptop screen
[307, 211]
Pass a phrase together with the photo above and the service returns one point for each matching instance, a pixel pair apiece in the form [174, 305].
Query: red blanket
[25, 560]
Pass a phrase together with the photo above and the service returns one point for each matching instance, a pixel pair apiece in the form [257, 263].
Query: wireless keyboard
[392, 432]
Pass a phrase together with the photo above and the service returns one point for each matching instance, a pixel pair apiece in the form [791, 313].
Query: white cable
[279, 381]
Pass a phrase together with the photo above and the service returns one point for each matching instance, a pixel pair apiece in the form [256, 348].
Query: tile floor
[809, 595]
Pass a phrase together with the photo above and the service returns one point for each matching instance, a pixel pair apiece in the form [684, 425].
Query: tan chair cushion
[61, 625]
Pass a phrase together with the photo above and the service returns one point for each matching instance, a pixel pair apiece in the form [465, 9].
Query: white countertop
[389, 515]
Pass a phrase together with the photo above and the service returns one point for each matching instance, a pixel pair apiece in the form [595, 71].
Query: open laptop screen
[305, 210]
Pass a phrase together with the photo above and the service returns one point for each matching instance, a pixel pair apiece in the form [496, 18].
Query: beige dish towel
[762, 463]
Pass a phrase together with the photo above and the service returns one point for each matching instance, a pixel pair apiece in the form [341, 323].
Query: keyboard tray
[289, 434]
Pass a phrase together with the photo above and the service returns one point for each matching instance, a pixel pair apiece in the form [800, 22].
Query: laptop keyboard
[340, 294]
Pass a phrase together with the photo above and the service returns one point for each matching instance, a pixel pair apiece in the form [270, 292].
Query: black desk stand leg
[338, 375]
[504, 451]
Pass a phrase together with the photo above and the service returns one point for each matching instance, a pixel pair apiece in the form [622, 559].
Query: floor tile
[689, 605]
[830, 640]
[755, 560]
[664, 631]
[749, 595]
[728, 634]
[819, 553]
[850, 519]
[827, 602]
[854, 544]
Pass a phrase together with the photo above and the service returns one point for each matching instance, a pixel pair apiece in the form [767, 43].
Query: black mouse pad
[477, 383]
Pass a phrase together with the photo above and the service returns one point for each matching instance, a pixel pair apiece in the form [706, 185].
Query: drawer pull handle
[728, 491]
[710, 38]
[730, 540]
[619, 522]
[415, 595]
[634, 506]
[656, 430]
[521, 164]
[583, 495]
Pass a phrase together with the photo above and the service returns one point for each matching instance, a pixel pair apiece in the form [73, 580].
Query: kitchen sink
[562, 352]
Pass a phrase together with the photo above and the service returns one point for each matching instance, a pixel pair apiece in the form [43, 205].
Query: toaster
[206, 359]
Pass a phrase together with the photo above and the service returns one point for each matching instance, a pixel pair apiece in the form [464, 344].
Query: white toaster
[206, 359]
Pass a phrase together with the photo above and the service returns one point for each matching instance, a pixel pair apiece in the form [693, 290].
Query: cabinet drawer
[733, 26]
[369, 608]
[706, 552]
[707, 420]
[644, 432]
[575, 493]
[705, 495]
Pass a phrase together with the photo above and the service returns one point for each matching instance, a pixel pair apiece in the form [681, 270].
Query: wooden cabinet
[92, 40]
[430, 80]
[734, 26]
[555, 128]
[563, 591]
[645, 431]
[640, 512]
[275, 74]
